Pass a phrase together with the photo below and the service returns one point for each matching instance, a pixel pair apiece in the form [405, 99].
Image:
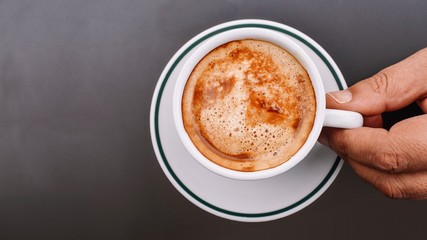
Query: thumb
[391, 89]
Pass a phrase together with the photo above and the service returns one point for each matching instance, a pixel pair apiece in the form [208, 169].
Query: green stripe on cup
[157, 134]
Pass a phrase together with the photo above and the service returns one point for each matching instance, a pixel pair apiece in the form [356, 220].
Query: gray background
[76, 81]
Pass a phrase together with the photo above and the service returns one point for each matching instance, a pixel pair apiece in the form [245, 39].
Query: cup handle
[342, 119]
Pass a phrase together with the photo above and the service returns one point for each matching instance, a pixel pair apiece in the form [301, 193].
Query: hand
[393, 161]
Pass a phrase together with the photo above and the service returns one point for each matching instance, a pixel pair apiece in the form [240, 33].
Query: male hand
[393, 161]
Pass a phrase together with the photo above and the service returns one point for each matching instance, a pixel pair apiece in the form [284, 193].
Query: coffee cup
[209, 139]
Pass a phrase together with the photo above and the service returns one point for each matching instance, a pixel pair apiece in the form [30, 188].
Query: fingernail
[323, 139]
[343, 96]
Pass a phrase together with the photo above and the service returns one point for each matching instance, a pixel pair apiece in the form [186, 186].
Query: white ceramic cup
[324, 117]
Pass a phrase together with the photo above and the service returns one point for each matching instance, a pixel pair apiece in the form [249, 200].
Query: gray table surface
[76, 81]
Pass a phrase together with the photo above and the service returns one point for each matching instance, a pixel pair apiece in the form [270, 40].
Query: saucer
[246, 201]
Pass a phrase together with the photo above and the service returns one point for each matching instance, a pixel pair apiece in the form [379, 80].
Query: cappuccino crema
[248, 105]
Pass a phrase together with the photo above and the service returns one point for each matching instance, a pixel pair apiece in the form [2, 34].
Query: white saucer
[248, 201]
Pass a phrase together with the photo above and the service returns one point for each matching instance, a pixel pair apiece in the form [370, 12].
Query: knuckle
[390, 187]
[379, 82]
[389, 158]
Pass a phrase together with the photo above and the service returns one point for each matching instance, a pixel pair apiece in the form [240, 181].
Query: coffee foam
[248, 105]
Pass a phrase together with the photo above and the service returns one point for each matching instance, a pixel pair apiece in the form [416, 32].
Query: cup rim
[282, 41]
